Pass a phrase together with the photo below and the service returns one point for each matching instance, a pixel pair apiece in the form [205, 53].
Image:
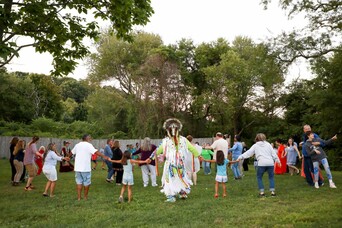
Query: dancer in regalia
[174, 148]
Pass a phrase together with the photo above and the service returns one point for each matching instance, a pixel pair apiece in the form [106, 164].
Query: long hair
[14, 141]
[116, 144]
[125, 156]
[34, 140]
[219, 157]
[48, 148]
[19, 146]
[146, 144]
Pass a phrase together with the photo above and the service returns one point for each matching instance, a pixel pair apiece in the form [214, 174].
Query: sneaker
[262, 195]
[145, 185]
[154, 185]
[171, 199]
[109, 180]
[120, 199]
[316, 185]
[273, 194]
[332, 185]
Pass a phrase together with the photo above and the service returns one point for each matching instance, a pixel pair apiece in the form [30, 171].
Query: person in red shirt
[39, 160]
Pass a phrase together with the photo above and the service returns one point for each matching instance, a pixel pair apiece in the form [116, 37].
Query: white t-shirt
[220, 144]
[83, 151]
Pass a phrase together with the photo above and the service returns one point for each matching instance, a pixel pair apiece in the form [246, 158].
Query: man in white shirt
[83, 152]
[219, 144]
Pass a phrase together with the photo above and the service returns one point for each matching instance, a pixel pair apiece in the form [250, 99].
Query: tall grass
[296, 204]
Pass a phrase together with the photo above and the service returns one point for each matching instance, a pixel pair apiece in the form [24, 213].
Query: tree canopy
[59, 26]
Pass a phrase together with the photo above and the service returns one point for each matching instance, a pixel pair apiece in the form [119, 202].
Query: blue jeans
[235, 167]
[260, 172]
[325, 164]
[110, 169]
[206, 166]
[309, 170]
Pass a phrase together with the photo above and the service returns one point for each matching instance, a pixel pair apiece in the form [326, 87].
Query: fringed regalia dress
[175, 180]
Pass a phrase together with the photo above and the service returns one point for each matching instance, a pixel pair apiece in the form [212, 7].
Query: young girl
[221, 175]
[127, 179]
[39, 160]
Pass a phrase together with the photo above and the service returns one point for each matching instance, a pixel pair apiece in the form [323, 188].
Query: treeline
[132, 88]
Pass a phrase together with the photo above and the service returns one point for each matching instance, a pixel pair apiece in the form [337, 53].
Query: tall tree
[59, 26]
[322, 34]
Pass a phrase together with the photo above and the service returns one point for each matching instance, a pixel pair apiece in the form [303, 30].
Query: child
[221, 175]
[39, 160]
[318, 155]
[127, 178]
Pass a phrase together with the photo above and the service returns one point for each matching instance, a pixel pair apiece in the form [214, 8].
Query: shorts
[221, 179]
[128, 180]
[31, 170]
[83, 178]
[50, 173]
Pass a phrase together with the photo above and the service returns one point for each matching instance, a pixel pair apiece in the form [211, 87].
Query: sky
[199, 20]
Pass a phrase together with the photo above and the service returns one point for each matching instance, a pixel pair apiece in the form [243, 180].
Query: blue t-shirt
[222, 169]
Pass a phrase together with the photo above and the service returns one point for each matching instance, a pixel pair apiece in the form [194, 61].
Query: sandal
[45, 195]
[216, 196]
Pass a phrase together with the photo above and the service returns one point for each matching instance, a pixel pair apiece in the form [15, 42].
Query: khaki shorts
[31, 170]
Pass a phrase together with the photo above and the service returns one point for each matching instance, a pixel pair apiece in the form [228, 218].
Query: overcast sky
[199, 20]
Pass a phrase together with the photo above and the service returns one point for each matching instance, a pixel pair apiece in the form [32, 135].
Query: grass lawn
[296, 204]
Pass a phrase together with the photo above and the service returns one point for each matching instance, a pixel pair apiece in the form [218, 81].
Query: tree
[59, 26]
[15, 92]
[120, 61]
[247, 71]
[321, 36]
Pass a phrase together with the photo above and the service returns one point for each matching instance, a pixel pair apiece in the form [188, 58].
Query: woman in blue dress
[291, 153]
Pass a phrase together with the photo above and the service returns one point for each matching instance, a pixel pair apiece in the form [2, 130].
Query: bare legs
[123, 189]
[50, 185]
[292, 168]
[79, 191]
[224, 188]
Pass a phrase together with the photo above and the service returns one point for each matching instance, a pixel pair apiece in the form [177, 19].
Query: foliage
[59, 26]
[148, 208]
[319, 37]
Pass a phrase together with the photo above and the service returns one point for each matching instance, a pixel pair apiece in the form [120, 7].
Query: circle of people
[181, 159]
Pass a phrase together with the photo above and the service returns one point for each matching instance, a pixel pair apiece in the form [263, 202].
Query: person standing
[206, 155]
[50, 159]
[245, 161]
[174, 147]
[83, 152]
[30, 152]
[221, 175]
[236, 151]
[128, 179]
[192, 164]
[65, 165]
[13, 142]
[146, 150]
[280, 169]
[117, 167]
[291, 153]
[18, 154]
[308, 165]
[219, 144]
[318, 156]
[39, 160]
[266, 158]
[108, 152]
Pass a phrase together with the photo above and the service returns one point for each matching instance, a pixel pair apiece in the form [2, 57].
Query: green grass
[297, 204]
